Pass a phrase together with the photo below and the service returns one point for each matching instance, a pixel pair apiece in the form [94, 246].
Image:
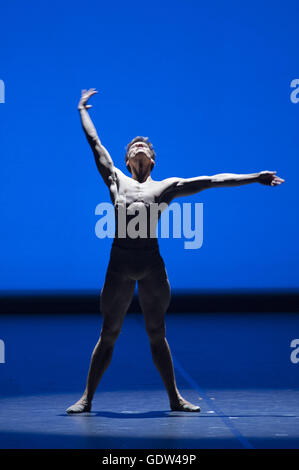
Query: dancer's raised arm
[102, 157]
[188, 186]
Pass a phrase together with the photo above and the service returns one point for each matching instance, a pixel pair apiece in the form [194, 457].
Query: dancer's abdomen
[135, 226]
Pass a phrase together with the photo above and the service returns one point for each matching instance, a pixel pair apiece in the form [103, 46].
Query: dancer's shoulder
[120, 174]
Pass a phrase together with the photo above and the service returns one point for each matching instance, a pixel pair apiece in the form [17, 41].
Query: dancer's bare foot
[81, 406]
[184, 405]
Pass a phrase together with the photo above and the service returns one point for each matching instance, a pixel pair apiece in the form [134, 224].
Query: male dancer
[137, 258]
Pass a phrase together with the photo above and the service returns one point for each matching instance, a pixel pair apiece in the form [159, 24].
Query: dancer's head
[140, 155]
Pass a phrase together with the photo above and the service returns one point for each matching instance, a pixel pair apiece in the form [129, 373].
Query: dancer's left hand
[269, 178]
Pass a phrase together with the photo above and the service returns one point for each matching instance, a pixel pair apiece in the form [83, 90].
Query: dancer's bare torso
[146, 200]
[148, 192]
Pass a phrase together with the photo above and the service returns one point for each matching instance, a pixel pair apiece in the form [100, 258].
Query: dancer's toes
[184, 405]
[81, 406]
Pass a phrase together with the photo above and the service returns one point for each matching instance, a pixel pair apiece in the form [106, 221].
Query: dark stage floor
[237, 367]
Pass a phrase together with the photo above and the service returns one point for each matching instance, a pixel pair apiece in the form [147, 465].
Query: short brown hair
[140, 138]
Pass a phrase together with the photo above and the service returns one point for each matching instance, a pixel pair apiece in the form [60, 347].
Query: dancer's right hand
[85, 95]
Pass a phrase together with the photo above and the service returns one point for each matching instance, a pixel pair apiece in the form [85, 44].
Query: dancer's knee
[156, 333]
[109, 335]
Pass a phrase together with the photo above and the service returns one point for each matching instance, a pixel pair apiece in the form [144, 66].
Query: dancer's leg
[154, 297]
[116, 297]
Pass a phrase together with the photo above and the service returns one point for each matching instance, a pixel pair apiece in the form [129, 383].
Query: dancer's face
[140, 157]
[139, 147]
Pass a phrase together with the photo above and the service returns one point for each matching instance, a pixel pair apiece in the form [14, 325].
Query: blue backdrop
[208, 82]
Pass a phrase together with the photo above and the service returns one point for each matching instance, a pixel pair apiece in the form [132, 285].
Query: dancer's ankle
[87, 399]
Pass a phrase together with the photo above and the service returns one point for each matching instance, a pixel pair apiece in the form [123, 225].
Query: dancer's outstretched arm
[102, 157]
[188, 186]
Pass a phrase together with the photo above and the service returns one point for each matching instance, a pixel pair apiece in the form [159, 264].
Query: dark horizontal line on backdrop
[181, 301]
